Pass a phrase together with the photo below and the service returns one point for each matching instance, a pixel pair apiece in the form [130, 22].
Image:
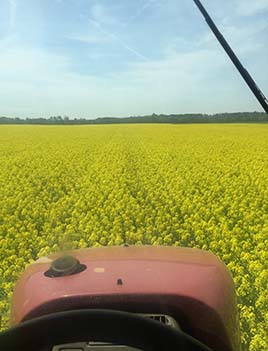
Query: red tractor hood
[191, 285]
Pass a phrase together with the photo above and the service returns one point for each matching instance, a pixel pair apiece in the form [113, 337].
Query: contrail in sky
[116, 37]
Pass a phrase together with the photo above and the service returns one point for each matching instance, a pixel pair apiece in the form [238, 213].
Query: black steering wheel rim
[130, 329]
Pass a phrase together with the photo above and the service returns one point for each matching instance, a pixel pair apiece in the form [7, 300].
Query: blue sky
[90, 58]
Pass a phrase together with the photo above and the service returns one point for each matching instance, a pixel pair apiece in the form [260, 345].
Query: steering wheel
[96, 325]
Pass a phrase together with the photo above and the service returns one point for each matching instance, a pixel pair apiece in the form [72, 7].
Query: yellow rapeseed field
[203, 186]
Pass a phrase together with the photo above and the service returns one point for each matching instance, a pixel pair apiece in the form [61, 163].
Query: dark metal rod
[244, 73]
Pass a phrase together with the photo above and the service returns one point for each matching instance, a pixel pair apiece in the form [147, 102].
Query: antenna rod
[244, 73]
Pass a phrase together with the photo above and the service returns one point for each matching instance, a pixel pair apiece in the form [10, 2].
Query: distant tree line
[240, 117]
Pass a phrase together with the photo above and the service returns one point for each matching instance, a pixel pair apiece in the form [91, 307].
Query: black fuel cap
[64, 266]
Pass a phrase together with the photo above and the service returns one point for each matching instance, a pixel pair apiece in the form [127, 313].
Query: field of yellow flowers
[203, 186]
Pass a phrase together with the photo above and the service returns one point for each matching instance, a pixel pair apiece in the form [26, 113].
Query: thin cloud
[100, 14]
[90, 39]
[140, 11]
[12, 14]
[251, 8]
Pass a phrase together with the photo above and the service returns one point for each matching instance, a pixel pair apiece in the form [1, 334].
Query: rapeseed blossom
[203, 186]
